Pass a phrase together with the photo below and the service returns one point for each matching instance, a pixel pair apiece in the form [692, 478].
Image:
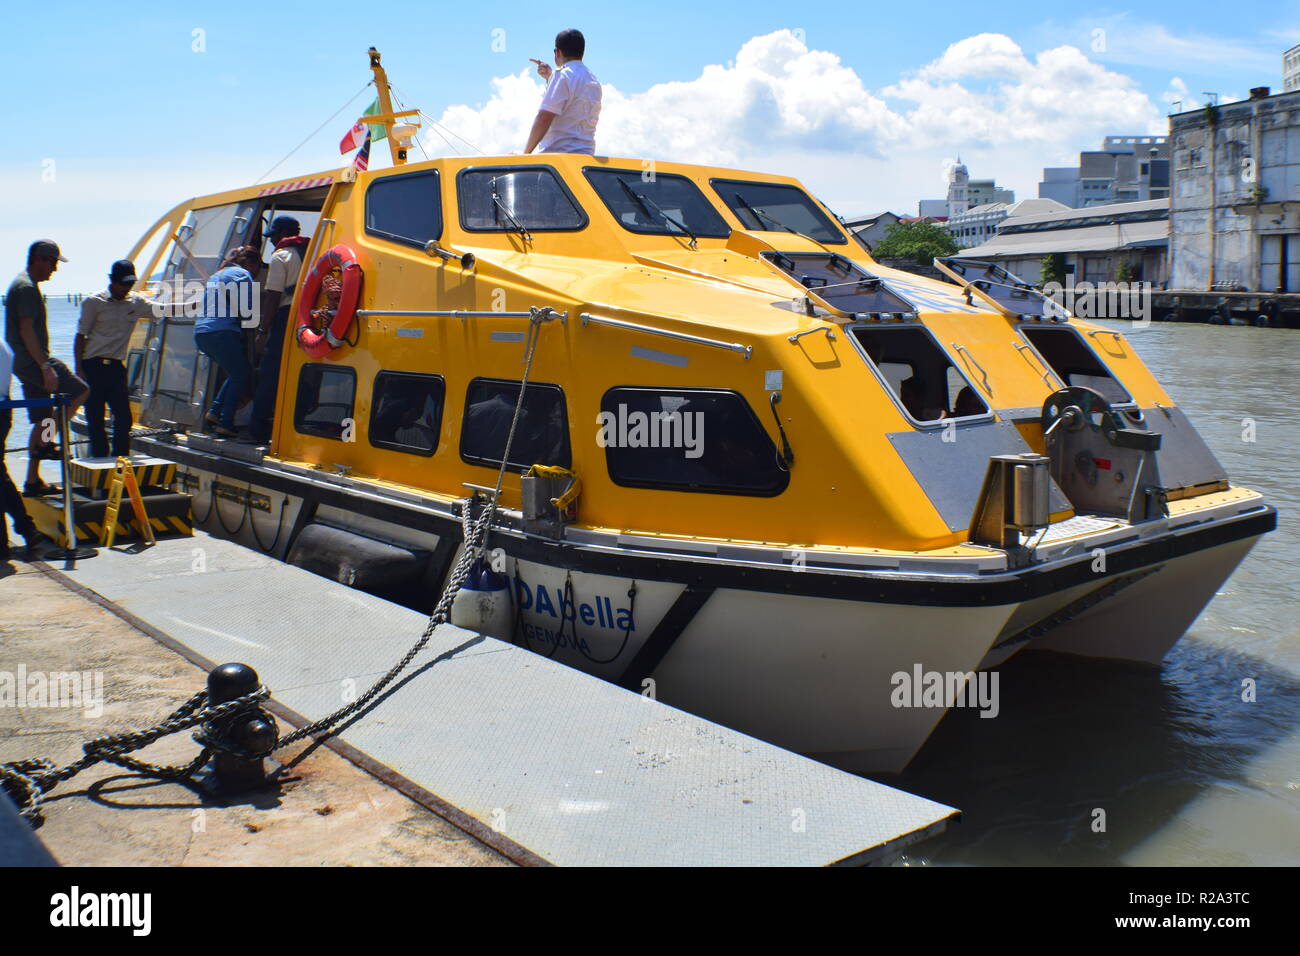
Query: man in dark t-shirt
[41, 375]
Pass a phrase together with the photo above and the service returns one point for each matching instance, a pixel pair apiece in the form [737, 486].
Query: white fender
[483, 604]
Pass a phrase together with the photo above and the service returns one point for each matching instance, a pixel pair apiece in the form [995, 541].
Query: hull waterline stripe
[966, 591]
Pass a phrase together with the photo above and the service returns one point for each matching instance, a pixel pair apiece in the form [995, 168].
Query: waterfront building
[1125, 169]
[1235, 214]
[869, 230]
[1101, 244]
[1291, 70]
[964, 194]
[979, 224]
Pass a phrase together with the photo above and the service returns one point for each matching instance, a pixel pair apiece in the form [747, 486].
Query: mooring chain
[475, 537]
[27, 780]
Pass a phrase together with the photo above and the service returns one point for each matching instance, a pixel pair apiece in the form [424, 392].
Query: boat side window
[667, 204]
[919, 373]
[1074, 361]
[204, 235]
[506, 198]
[134, 366]
[541, 437]
[406, 412]
[326, 394]
[703, 439]
[777, 207]
[406, 208]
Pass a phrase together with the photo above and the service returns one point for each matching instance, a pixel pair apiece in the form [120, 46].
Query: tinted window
[919, 373]
[406, 412]
[688, 440]
[541, 438]
[772, 207]
[652, 207]
[534, 197]
[325, 397]
[134, 366]
[1074, 362]
[406, 209]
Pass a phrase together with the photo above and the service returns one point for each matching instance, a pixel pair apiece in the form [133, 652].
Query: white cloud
[780, 103]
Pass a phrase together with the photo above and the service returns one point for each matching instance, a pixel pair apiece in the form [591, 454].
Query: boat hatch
[841, 283]
[918, 374]
[1007, 293]
[1074, 362]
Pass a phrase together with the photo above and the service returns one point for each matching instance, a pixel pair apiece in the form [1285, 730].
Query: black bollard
[242, 740]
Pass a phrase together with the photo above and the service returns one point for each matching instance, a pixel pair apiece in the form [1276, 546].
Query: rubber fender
[357, 561]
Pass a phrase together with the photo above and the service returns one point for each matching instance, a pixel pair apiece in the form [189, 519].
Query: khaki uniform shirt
[107, 323]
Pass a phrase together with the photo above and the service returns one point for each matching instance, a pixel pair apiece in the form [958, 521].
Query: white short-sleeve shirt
[282, 274]
[573, 95]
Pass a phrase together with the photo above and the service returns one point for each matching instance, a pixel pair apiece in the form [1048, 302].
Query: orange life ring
[317, 343]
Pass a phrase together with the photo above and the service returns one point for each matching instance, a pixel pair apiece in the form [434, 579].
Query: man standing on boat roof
[41, 374]
[103, 338]
[566, 122]
[277, 295]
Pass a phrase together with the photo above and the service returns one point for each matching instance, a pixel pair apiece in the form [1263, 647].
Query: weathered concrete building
[1235, 212]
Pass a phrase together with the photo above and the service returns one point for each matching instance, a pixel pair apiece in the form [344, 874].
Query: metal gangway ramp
[542, 761]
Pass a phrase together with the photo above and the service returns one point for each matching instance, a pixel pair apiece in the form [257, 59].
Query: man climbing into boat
[40, 373]
[566, 121]
[277, 295]
[218, 333]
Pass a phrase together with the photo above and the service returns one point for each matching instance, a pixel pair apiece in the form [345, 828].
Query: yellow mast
[386, 115]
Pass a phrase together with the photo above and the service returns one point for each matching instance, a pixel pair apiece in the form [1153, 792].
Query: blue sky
[114, 115]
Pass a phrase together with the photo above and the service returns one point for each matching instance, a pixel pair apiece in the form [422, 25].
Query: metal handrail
[453, 313]
[971, 359]
[746, 350]
[1046, 369]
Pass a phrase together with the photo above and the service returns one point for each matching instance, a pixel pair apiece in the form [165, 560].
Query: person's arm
[27, 332]
[84, 325]
[272, 293]
[540, 126]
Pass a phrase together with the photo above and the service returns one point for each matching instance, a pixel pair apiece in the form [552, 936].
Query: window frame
[374, 410]
[526, 167]
[929, 423]
[837, 228]
[393, 237]
[666, 486]
[492, 463]
[588, 170]
[352, 406]
[1129, 402]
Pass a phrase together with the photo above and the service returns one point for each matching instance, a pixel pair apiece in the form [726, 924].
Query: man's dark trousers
[107, 381]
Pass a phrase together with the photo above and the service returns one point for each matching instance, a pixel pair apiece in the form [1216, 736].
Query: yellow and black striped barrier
[169, 515]
[97, 473]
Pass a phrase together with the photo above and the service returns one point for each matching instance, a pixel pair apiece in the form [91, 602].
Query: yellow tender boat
[805, 478]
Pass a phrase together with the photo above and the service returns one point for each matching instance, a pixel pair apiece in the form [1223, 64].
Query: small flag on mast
[357, 133]
[362, 160]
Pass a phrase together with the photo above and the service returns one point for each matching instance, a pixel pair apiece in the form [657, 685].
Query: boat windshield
[656, 203]
[517, 199]
[777, 207]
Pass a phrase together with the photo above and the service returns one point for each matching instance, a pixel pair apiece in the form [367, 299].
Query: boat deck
[540, 761]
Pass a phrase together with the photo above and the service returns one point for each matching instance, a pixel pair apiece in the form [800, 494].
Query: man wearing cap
[40, 374]
[103, 336]
[277, 295]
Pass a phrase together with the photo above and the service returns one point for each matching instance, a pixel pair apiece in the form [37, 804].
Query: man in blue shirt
[228, 303]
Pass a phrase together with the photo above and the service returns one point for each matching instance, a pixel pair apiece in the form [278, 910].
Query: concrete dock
[481, 754]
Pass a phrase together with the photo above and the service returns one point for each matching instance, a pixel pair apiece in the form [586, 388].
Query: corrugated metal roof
[1101, 238]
